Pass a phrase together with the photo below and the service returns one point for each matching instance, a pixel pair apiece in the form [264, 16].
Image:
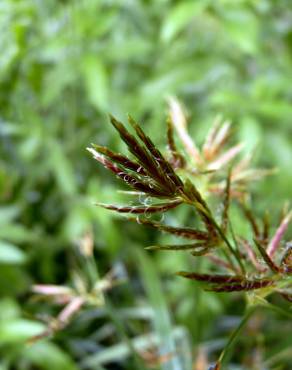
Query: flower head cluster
[237, 264]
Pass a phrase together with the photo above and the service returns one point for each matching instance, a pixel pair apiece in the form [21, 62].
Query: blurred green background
[64, 65]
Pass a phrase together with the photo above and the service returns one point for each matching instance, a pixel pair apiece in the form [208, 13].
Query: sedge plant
[191, 177]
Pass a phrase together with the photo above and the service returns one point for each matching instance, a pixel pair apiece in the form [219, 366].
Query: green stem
[277, 309]
[236, 247]
[225, 239]
[235, 334]
[208, 213]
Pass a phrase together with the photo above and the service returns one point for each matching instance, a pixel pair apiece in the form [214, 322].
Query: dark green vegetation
[64, 66]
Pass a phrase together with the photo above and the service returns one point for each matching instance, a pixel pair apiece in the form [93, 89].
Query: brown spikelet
[175, 247]
[246, 285]
[160, 207]
[227, 283]
[146, 159]
[208, 278]
[162, 162]
[182, 232]
[120, 159]
[132, 180]
[194, 196]
[251, 219]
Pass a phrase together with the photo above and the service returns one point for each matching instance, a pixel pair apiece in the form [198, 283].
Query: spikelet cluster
[237, 264]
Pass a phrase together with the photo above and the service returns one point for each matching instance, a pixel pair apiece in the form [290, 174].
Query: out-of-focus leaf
[179, 16]
[9, 309]
[16, 233]
[141, 343]
[162, 320]
[250, 133]
[62, 168]
[242, 28]
[8, 213]
[19, 330]
[96, 81]
[46, 355]
[13, 280]
[11, 254]
[77, 223]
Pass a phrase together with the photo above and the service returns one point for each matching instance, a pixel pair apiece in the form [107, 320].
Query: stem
[208, 212]
[235, 333]
[277, 309]
[235, 254]
[230, 261]
[237, 247]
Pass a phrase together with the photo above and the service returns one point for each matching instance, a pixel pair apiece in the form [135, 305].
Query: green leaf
[10, 254]
[47, 356]
[179, 17]
[8, 213]
[96, 82]
[19, 330]
[250, 133]
[9, 309]
[62, 168]
[242, 27]
[162, 320]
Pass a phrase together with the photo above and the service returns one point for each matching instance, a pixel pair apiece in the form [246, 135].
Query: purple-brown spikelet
[155, 208]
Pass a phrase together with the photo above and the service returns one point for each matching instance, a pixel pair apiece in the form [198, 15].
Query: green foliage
[64, 65]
